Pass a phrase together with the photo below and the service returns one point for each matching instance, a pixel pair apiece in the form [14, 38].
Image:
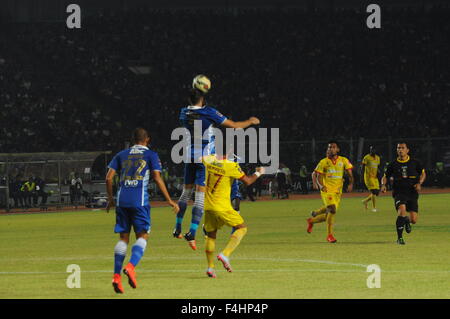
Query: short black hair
[195, 96]
[403, 142]
[334, 142]
[139, 135]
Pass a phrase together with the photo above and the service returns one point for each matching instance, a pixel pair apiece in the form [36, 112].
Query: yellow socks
[234, 241]
[209, 249]
[330, 223]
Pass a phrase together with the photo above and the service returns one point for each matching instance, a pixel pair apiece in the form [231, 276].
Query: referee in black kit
[408, 176]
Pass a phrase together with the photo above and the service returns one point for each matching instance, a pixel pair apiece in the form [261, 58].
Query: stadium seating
[313, 74]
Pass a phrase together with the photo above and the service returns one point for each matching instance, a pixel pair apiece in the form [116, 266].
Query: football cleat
[131, 274]
[310, 226]
[401, 241]
[210, 272]
[191, 240]
[117, 284]
[331, 239]
[313, 214]
[225, 262]
[374, 210]
[177, 234]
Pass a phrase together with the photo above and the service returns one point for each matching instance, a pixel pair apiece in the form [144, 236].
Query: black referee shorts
[411, 201]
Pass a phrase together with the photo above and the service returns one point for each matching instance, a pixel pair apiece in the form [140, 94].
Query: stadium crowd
[311, 73]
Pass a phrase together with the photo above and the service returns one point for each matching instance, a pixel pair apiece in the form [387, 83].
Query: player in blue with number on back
[194, 170]
[134, 165]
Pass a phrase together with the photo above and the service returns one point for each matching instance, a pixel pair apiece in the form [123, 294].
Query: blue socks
[180, 215]
[182, 203]
[137, 251]
[197, 212]
[119, 255]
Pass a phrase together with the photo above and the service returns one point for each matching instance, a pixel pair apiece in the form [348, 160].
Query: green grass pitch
[277, 258]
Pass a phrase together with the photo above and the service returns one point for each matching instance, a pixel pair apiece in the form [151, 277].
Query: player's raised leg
[320, 211]
[319, 216]
[234, 241]
[137, 251]
[141, 225]
[366, 201]
[197, 214]
[182, 203]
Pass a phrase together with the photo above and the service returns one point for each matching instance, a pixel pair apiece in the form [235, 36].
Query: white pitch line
[299, 260]
[276, 260]
[240, 270]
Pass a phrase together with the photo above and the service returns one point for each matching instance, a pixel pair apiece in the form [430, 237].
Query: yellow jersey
[371, 166]
[220, 175]
[333, 173]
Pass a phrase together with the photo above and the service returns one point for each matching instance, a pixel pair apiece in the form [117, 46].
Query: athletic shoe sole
[117, 288]
[225, 264]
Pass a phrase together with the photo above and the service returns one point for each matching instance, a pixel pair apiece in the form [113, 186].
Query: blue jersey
[209, 117]
[133, 166]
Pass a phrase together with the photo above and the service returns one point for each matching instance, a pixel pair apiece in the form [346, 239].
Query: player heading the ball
[194, 173]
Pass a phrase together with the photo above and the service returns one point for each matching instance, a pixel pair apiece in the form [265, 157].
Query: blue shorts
[138, 217]
[194, 173]
[235, 193]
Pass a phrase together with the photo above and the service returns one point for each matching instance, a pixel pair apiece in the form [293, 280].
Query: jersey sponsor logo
[131, 183]
[136, 150]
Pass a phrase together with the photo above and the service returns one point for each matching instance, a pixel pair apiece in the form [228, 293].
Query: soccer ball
[201, 83]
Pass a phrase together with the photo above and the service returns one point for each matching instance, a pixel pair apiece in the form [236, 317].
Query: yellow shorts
[372, 183]
[215, 220]
[331, 199]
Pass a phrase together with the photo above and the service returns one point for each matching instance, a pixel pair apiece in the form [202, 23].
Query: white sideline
[278, 260]
[186, 258]
[220, 270]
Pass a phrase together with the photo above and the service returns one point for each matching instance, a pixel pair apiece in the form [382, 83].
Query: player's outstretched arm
[248, 180]
[242, 124]
[109, 189]
[156, 175]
